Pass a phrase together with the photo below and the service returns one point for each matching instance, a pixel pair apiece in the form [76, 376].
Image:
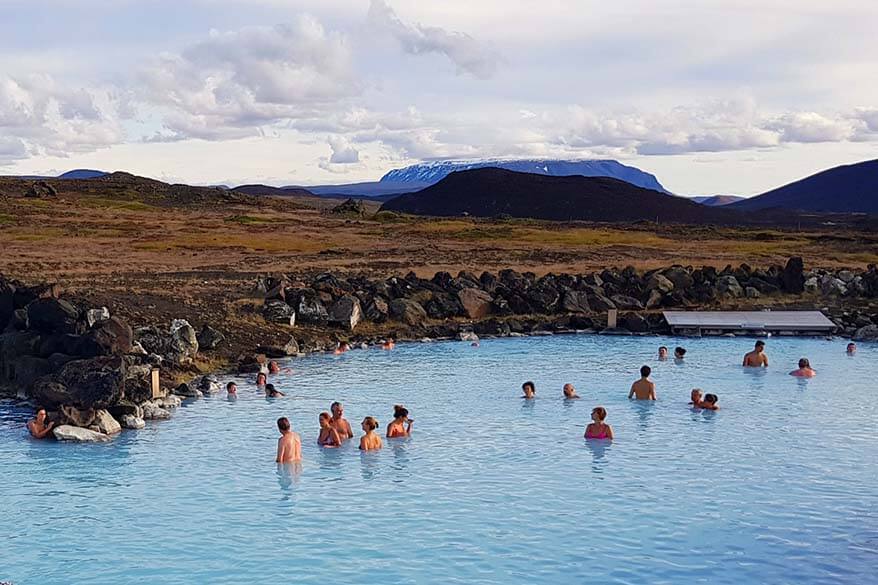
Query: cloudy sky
[711, 96]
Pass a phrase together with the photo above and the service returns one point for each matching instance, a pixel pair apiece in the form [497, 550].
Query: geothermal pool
[777, 487]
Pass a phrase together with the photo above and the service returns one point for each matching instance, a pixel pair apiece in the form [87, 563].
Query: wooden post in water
[612, 315]
[155, 386]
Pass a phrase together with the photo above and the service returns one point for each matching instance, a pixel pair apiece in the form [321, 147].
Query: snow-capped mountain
[428, 173]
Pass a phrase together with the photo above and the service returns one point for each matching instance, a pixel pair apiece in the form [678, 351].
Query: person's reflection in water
[332, 459]
[400, 459]
[598, 453]
[645, 411]
[288, 474]
[369, 464]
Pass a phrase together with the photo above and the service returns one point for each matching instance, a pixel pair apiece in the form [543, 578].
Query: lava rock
[408, 311]
[106, 423]
[346, 312]
[575, 301]
[52, 316]
[275, 311]
[209, 338]
[476, 303]
[79, 435]
[793, 276]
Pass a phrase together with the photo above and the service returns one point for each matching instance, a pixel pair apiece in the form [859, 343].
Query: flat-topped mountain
[717, 200]
[845, 189]
[428, 173]
[489, 192]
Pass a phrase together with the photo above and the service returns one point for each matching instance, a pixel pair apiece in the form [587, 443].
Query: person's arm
[362, 443]
[765, 360]
[631, 392]
[389, 426]
[408, 428]
[336, 438]
[281, 450]
[609, 432]
[42, 433]
[348, 430]
[585, 434]
[652, 391]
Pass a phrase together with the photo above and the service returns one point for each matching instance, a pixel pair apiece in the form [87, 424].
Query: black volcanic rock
[845, 189]
[491, 192]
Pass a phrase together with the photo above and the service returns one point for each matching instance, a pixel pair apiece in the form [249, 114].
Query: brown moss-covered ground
[151, 252]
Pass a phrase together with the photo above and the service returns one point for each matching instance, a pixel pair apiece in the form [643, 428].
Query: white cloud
[230, 84]
[812, 127]
[342, 151]
[39, 116]
[467, 54]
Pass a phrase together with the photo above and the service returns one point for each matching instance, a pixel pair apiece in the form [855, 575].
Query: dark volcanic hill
[846, 189]
[489, 192]
[268, 190]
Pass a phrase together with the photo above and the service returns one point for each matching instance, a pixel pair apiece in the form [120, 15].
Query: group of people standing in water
[335, 430]
[644, 387]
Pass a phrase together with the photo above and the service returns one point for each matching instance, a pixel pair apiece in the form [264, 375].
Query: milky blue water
[780, 486]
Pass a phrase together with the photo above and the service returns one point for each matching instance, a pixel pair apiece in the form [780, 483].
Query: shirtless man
[289, 446]
[644, 388]
[570, 392]
[757, 357]
[38, 427]
[663, 353]
[339, 422]
[852, 348]
[529, 390]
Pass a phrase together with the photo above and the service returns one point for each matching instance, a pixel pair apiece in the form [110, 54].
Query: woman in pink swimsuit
[599, 429]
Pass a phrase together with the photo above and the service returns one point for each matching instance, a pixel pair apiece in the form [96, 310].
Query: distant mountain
[82, 174]
[845, 189]
[263, 190]
[717, 200]
[374, 189]
[78, 174]
[489, 192]
[429, 173]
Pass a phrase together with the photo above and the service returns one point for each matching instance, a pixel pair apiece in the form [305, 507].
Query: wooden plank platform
[719, 322]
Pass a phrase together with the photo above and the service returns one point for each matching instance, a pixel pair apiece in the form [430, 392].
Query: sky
[713, 97]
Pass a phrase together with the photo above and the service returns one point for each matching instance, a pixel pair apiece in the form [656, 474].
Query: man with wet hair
[529, 390]
[644, 388]
[289, 446]
[339, 422]
[757, 357]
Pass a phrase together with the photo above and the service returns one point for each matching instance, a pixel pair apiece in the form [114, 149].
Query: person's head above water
[598, 414]
[261, 378]
[760, 345]
[645, 371]
[324, 419]
[529, 388]
[679, 352]
[852, 348]
[370, 423]
[337, 409]
[695, 395]
[283, 424]
[569, 390]
[400, 412]
[663, 351]
[40, 415]
[711, 399]
[273, 367]
[804, 363]
[270, 390]
[231, 387]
